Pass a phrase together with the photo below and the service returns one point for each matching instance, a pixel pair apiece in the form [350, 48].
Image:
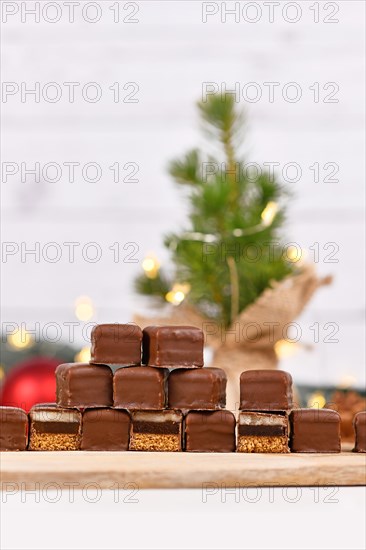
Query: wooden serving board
[29, 470]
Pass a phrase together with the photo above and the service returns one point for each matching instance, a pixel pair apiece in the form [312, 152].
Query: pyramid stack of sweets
[148, 391]
[141, 391]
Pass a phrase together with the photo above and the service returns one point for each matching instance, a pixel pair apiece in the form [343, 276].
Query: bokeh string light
[316, 400]
[285, 348]
[177, 294]
[83, 356]
[20, 339]
[150, 265]
[267, 216]
[84, 309]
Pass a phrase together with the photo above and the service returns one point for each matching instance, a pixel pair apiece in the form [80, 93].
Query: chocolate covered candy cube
[262, 433]
[156, 431]
[13, 429]
[266, 390]
[83, 385]
[210, 432]
[197, 389]
[172, 346]
[105, 430]
[116, 344]
[359, 424]
[315, 431]
[54, 429]
[140, 388]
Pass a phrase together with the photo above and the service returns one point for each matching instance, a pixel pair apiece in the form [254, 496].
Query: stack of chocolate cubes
[269, 423]
[148, 391]
[142, 391]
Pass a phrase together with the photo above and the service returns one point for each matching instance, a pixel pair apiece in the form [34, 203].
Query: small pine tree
[231, 250]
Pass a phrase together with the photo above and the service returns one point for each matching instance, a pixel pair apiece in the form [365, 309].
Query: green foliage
[157, 286]
[226, 255]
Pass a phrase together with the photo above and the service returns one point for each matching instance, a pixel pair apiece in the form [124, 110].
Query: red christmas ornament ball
[32, 381]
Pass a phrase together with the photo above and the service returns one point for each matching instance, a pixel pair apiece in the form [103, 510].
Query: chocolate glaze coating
[116, 344]
[140, 388]
[105, 430]
[210, 431]
[266, 390]
[83, 385]
[13, 429]
[315, 431]
[359, 424]
[172, 346]
[197, 389]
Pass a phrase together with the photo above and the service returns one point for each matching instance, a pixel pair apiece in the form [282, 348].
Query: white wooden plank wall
[169, 53]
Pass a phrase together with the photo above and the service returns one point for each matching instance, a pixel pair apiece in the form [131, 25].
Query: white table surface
[296, 518]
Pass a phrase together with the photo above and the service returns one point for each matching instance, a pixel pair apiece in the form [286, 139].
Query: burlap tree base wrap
[249, 342]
